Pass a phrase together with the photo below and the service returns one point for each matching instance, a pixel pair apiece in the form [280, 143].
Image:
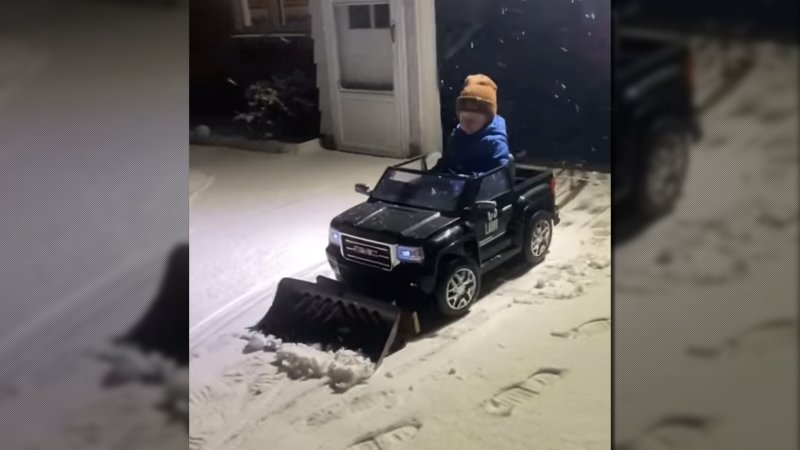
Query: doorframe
[400, 69]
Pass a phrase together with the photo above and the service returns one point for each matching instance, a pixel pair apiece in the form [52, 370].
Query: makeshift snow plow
[325, 313]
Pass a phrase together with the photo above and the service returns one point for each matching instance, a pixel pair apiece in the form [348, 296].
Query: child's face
[472, 122]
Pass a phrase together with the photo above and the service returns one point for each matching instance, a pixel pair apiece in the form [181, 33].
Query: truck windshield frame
[424, 190]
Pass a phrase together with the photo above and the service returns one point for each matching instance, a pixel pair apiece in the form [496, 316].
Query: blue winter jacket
[477, 153]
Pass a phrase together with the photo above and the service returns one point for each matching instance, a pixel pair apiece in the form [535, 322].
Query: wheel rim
[540, 237]
[665, 171]
[461, 289]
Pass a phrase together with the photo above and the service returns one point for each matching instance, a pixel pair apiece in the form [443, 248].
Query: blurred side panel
[705, 282]
[94, 224]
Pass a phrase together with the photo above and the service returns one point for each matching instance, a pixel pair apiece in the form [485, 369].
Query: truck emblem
[364, 251]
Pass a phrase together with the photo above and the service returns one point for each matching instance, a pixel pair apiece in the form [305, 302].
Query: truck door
[496, 187]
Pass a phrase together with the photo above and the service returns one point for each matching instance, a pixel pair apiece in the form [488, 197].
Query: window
[381, 14]
[369, 16]
[365, 47]
[359, 17]
[272, 16]
[494, 185]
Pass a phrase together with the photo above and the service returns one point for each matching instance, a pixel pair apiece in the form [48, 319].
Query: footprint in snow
[775, 334]
[588, 328]
[507, 399]
[263, 382]
[197, 442]
[584, 204]
[372, 402]
[391, 438]
[672, 432]
[775, 115]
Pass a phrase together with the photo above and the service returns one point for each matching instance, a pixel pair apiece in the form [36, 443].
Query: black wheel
[537, 238]
[457, 286]
[662, 172]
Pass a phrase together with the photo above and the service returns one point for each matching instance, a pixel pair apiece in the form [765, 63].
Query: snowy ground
[535, 351]
[706, 300]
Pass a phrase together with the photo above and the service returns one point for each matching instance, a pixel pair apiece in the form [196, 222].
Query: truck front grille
[368, 253]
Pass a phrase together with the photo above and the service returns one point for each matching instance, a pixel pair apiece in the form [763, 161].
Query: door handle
[391, 31]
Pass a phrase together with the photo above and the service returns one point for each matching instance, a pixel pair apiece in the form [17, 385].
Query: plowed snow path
[263, 217]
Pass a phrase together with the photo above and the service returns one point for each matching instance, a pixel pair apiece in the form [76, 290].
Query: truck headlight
[410, 254]
[335, 237]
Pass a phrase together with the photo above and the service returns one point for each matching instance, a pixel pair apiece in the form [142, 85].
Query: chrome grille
[369, 253]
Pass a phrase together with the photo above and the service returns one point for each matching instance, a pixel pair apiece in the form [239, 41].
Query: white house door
[368, 76]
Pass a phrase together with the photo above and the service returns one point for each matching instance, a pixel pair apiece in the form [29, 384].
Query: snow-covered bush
[279, 105]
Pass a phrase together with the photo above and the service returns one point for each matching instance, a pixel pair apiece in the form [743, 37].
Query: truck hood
[400, 221]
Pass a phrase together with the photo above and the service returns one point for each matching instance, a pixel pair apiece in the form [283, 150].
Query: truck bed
[527, 177]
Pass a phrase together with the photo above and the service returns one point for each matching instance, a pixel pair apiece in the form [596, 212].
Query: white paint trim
[428, 77]
[401, 75]
[330, 39]
[247, 20]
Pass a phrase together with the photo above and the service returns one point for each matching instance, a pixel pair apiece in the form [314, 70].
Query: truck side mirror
[362, 188]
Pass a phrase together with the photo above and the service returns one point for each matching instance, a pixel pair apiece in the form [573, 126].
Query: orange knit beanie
[479, 95]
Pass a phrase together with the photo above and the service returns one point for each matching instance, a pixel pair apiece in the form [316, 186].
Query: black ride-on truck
[420, 234]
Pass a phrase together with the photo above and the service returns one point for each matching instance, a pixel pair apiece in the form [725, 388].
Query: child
[479, 143]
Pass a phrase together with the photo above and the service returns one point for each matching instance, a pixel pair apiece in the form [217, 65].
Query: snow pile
[598, 261]
[348, 369]
[344, 368]
[303, 361]
[257, 342]
[129, 364]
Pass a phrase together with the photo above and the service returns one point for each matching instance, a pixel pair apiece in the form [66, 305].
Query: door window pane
[359, 17]
[381, 16]
[366, 55]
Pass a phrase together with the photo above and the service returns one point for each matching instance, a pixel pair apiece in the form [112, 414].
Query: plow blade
[325, 313]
